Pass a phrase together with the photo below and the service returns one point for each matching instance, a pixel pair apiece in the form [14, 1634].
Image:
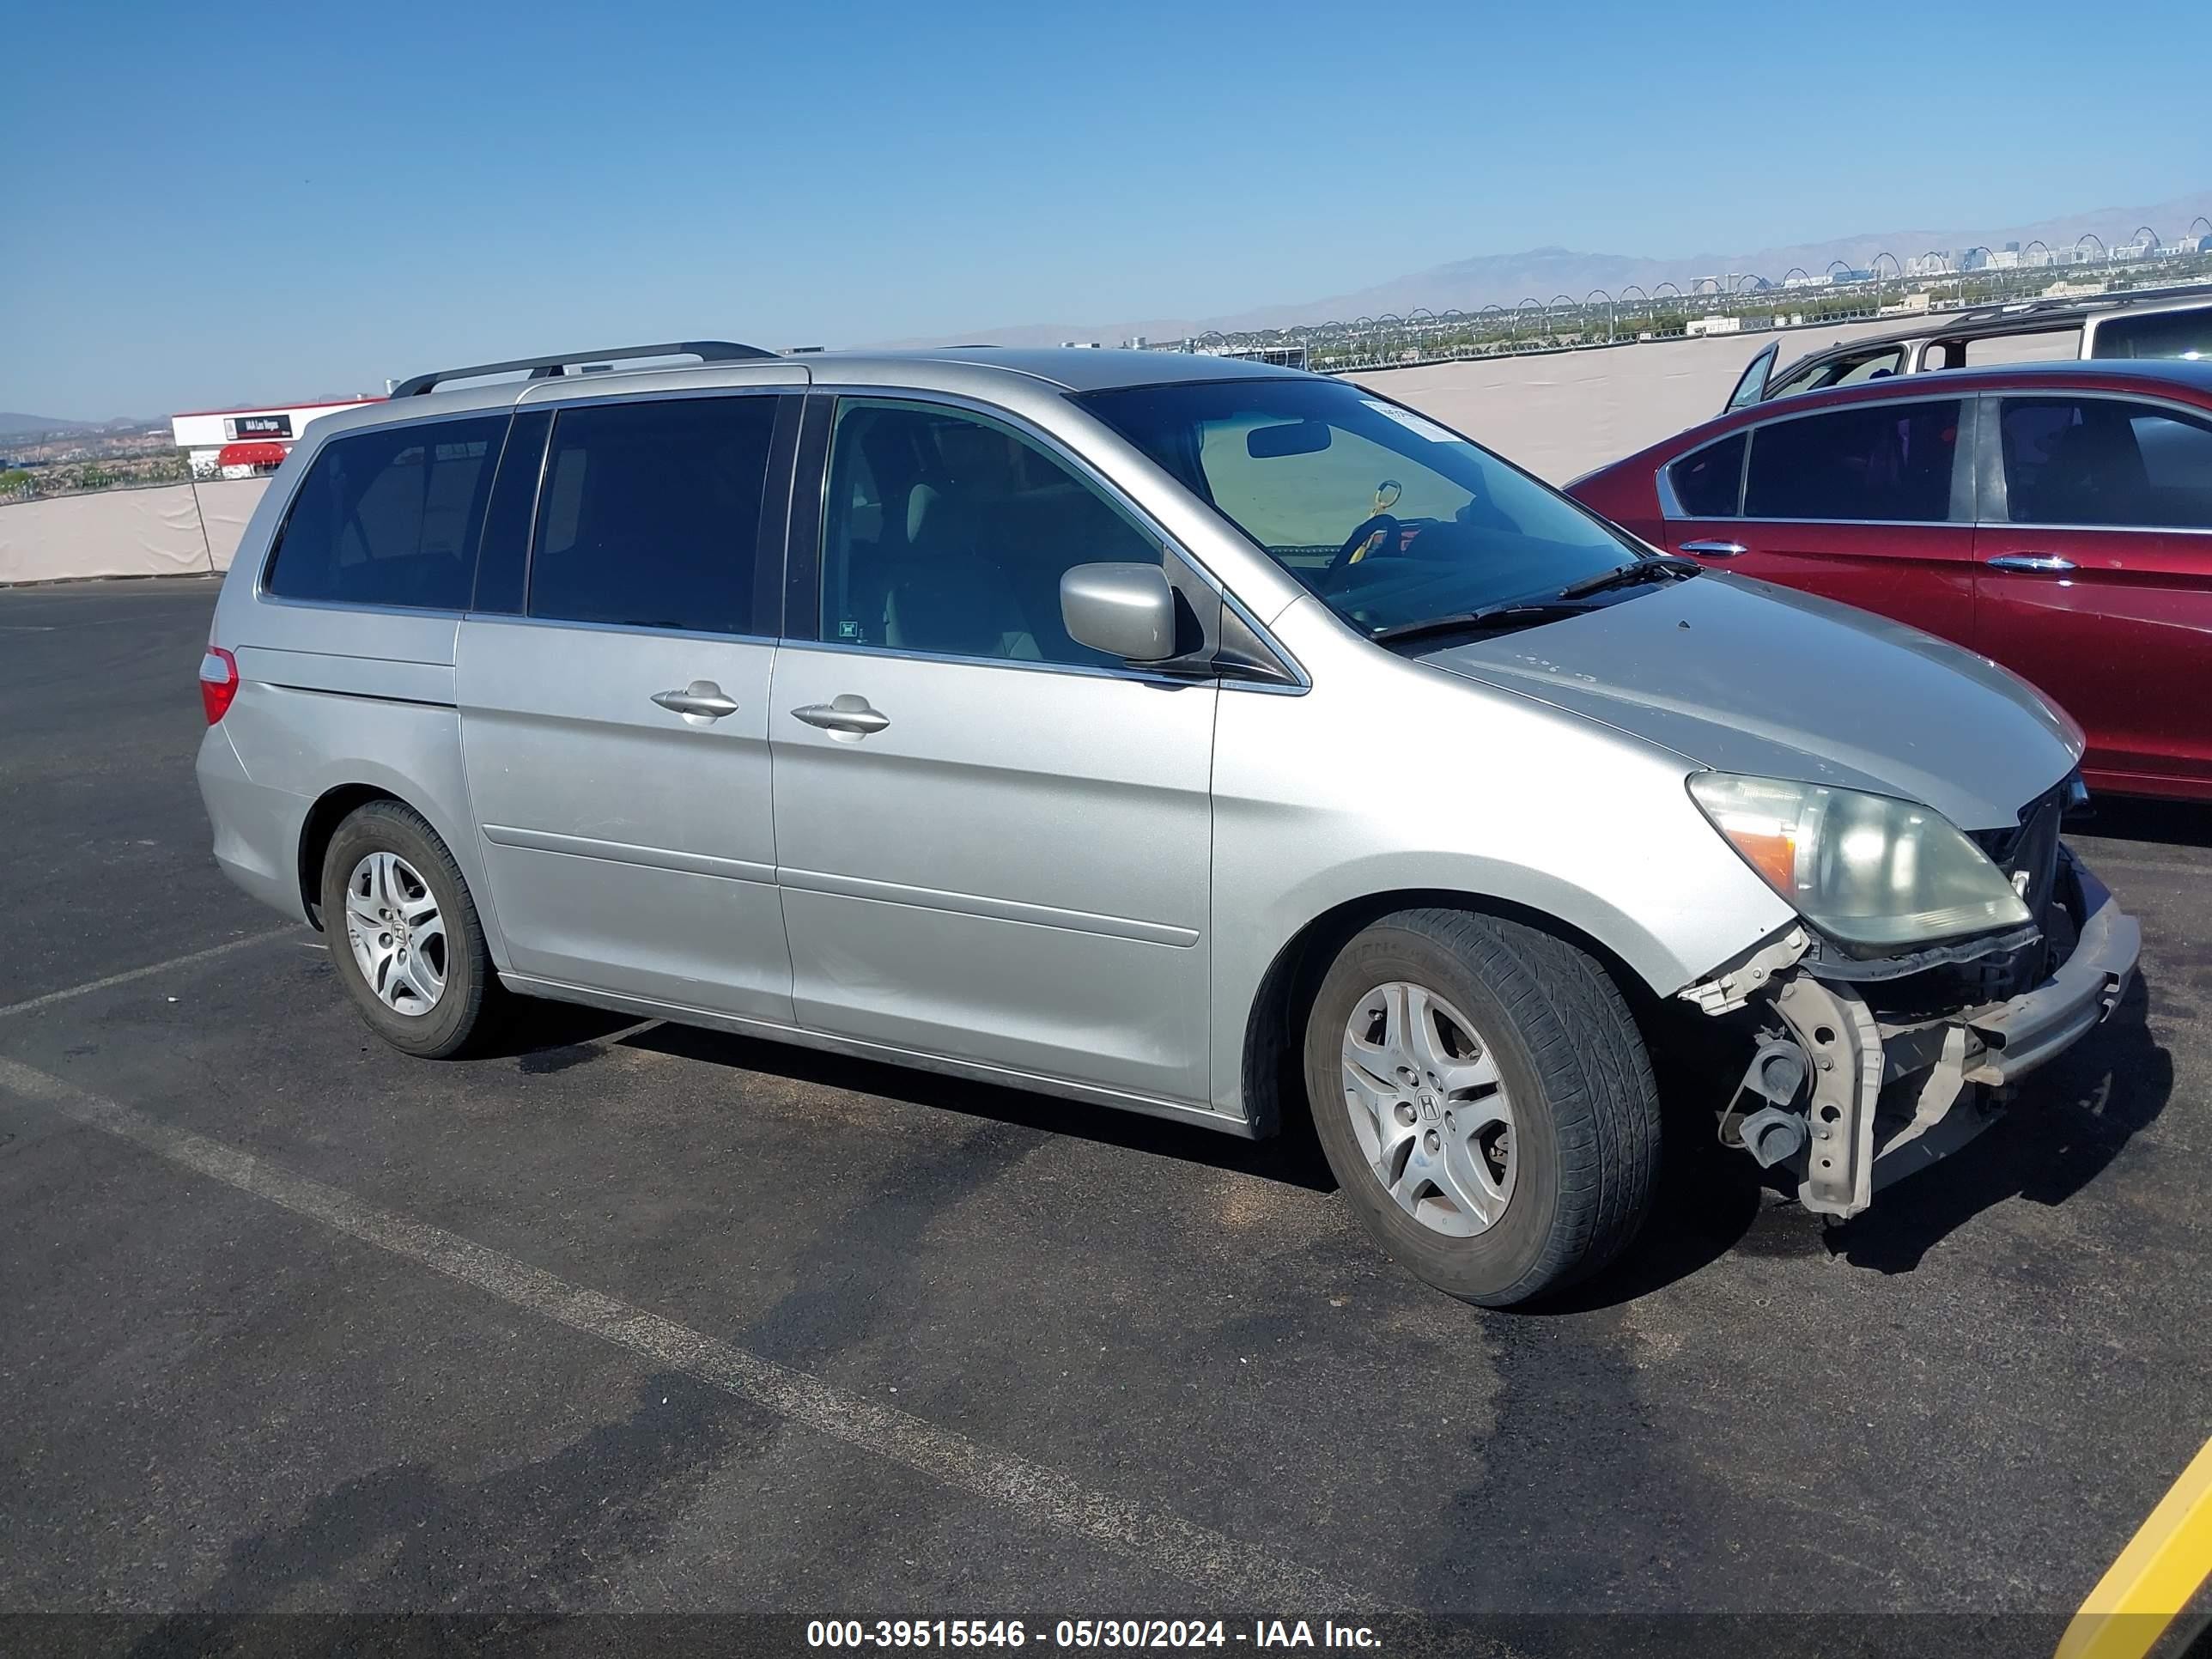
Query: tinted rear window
[649, 513]
[1877, 461]
[390, 517]
[2156, 334]
[1710, 483]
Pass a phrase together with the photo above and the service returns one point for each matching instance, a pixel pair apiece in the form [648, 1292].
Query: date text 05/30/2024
[1086, 1634]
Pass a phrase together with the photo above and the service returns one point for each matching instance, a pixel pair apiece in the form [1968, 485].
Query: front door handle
[1715, 549]
[701, 698]
[2046, 563]
[845, 714]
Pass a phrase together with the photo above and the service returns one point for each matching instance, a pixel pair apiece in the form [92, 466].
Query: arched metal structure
[2103, 252]
[2146, 239]
[1612, 308]
[1897, 270]
[1521, 311]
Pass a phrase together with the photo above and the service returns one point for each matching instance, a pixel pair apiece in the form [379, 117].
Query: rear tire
[404, 934]
[1483, 1095]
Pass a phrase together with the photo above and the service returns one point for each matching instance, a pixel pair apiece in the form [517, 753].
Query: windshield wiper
[1644, 570]
[1513, 613]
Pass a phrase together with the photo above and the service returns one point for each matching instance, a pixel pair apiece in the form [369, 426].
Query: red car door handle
[1714, 550]
[2050, 563]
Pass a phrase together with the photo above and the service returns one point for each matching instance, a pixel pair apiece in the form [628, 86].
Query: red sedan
[2055, 517]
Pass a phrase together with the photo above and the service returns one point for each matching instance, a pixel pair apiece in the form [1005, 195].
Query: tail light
[218, 682]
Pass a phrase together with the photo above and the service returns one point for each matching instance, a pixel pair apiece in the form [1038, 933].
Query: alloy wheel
[1431, 1112]
[398, 933]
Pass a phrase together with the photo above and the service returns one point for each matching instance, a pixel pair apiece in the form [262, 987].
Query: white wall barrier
[225, 506]
[171, 530]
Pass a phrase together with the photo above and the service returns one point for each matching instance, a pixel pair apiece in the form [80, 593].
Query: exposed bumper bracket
[1916, 1080]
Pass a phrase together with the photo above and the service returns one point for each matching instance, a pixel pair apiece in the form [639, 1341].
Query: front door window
[945, 534]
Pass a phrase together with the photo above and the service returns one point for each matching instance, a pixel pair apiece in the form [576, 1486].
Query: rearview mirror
[1268, 443]
[1126, 610]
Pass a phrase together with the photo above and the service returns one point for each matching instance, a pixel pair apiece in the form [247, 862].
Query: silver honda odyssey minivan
[1154, 730]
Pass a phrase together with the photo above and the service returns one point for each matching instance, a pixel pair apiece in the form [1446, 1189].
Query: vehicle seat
[943, 595]
[2094, 475]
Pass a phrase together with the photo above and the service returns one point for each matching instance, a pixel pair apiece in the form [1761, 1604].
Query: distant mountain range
[47, 426]
[1541, 273]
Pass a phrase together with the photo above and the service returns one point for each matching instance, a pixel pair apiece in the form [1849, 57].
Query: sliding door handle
[845, 714]
[2046, 563]
[701, 697]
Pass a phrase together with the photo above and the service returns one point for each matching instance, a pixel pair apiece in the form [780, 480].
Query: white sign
[1413, 422]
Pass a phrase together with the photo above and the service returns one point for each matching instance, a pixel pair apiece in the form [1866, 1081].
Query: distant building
[244, 443]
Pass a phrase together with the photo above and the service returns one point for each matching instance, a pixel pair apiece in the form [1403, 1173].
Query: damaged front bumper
[1849, 1093]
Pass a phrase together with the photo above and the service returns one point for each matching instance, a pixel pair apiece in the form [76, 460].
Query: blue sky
[298, 198]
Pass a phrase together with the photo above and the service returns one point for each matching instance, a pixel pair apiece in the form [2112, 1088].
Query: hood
[1742, 676]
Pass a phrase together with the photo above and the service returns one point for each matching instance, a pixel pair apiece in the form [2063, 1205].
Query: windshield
[1387, 517]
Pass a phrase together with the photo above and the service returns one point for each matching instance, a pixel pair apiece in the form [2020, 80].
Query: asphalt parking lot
[635, 1319]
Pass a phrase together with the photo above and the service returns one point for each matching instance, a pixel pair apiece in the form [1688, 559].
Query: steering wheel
[1359, 537]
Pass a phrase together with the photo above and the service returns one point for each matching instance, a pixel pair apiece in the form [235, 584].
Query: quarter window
[947, 534]
[2104, 461]
[2186, 334]
[1708, 484]
[1888, 462]
[389, 516]
[649, 513]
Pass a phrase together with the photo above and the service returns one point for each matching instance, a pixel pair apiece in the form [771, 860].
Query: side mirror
[1126, 610]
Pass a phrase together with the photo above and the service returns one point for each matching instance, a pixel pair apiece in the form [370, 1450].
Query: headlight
[1864, 869]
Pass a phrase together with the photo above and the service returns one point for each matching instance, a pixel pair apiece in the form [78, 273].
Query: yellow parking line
[2161, 1568]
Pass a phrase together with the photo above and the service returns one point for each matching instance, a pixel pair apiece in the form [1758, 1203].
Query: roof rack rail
[546, 368]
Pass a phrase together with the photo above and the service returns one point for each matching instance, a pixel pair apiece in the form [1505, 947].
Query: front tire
[404, 934]
[1483, 1095]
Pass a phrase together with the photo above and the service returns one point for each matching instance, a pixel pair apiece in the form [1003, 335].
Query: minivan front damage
[1865, 1071]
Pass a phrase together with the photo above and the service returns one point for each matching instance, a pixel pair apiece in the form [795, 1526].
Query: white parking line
[90, 986]
[1237, 1572]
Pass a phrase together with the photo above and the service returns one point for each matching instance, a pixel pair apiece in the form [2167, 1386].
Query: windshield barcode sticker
[1413, 422]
